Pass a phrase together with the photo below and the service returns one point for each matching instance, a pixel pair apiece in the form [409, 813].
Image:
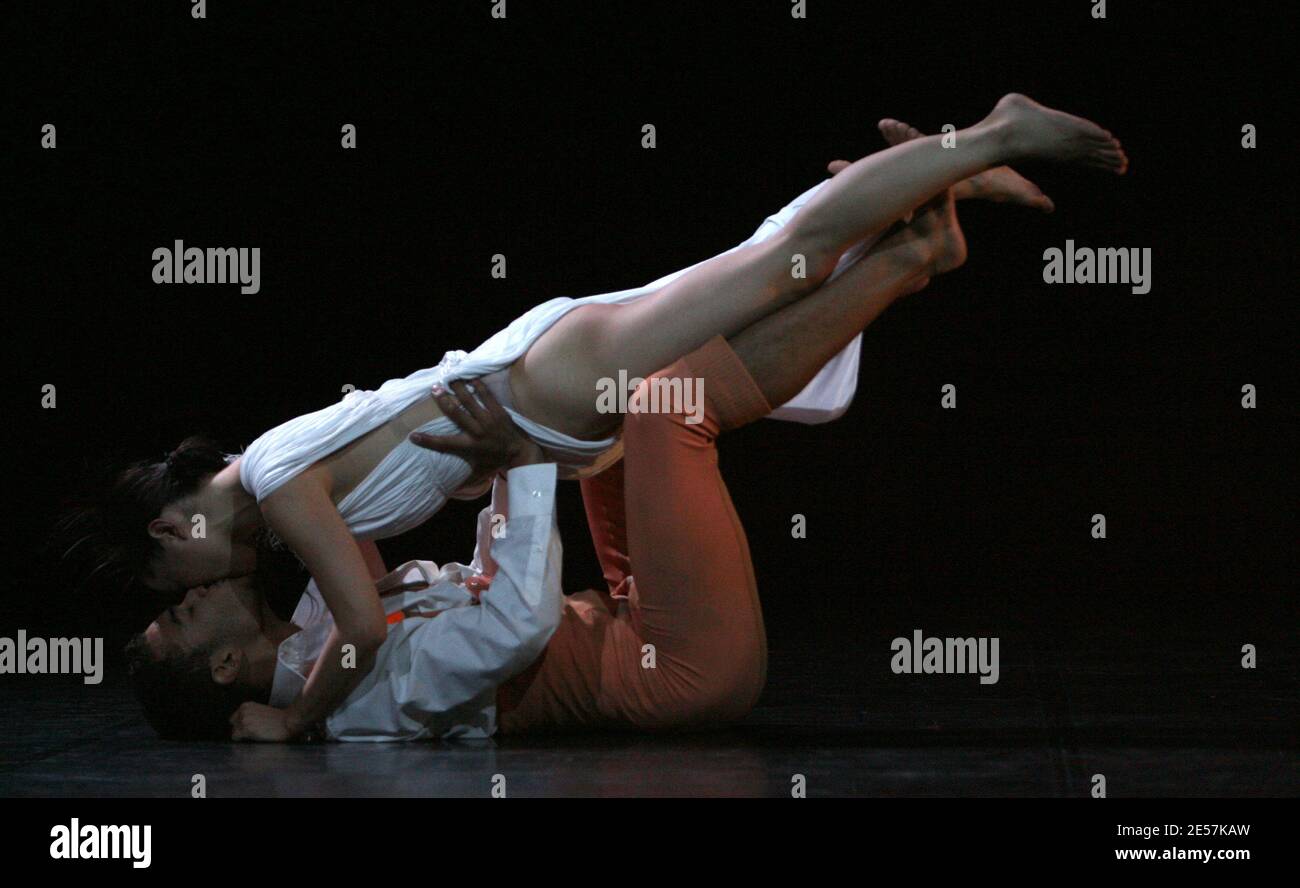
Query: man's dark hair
[181, 700]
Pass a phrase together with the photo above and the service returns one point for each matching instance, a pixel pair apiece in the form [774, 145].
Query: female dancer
[349, 472]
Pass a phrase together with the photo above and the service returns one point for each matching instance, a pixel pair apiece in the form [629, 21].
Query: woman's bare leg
[556, 381]
[999, 184]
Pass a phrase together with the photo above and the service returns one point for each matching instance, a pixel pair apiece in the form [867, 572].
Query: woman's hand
[489, 440]
[264, 724]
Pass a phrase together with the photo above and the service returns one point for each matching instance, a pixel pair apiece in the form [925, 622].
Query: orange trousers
[677, 639]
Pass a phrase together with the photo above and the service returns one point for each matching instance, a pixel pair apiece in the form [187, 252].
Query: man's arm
[491, 443]
[463, 653]
[488, 440]
[374, 561]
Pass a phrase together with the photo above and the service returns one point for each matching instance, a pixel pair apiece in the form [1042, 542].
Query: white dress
[412, 483]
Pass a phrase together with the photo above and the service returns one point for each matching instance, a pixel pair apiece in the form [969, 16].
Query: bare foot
[1000, 184]
[936, 221]
[1028, 129]
[932, 243]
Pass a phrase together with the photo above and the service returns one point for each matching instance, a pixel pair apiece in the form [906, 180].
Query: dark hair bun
[195, 459]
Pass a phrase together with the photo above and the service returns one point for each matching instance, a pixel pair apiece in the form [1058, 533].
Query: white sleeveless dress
[411, 483]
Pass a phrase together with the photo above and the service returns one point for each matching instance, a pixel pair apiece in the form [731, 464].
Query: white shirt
[437, 673]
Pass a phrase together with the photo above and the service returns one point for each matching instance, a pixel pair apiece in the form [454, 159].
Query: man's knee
[664, 404]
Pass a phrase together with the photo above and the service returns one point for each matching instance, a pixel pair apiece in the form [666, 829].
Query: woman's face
[191, 555]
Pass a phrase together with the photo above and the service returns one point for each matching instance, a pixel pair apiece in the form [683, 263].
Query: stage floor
[1196, 727]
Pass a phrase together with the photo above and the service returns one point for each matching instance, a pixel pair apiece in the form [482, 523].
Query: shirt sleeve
[443, 670]
[490, 521]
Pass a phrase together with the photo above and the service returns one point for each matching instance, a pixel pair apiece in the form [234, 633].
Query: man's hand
[264, 724]
[489, 441]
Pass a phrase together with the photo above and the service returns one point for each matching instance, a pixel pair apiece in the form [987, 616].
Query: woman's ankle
[992, 141]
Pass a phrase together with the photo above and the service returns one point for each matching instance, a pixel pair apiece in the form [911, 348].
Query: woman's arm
[305, 518]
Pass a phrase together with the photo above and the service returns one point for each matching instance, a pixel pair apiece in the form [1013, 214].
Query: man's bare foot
[932, 243]
[1026, 129]
[936, 221]
[1000, 184]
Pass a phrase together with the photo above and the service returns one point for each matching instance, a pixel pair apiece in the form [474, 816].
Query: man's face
[224, 613]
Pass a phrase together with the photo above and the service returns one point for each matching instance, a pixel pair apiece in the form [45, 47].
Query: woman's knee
[811, 256]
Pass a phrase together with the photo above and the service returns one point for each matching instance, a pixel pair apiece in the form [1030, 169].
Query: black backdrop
[478, 136]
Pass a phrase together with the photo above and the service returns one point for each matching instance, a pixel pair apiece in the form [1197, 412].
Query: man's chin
[251, 600]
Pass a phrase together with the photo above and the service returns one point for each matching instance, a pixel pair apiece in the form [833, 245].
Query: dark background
[478, 136]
